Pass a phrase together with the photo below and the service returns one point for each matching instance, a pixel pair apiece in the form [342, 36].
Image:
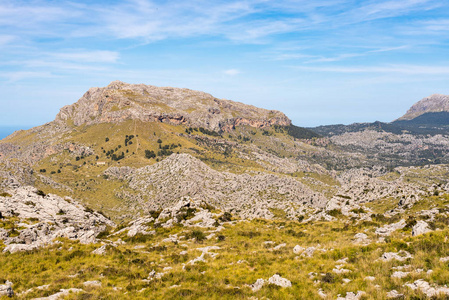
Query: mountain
[433, 104]
[121, 101]
[134, 125]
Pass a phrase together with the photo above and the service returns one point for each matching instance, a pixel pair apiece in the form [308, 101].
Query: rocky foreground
[194, 250]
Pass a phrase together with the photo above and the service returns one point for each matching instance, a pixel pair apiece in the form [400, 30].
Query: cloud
[248, 21]
[436, 25]
[397, 69]
[96, 56]
[231, 72]
[18, 76]
[6, 39]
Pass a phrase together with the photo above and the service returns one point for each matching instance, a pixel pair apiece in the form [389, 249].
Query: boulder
[420, 227]
[279, 281]
[298, 249]
[352, 296]
[257, 285]
[400, 256]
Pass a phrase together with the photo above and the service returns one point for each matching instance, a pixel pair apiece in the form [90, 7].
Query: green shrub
[334, 212]
[328, 278]
[226, 217]
[40, 193]
[198, 235]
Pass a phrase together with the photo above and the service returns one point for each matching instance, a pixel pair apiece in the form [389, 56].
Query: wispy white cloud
[346, 56]
[96, 56]
[436, 25]
[6, 39]
[249, 21]
[397, 69]
[375, 10]
[22, 75]
[60, 65]
[232, 72]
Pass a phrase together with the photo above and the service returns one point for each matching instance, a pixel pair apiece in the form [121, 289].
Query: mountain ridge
[121, 101]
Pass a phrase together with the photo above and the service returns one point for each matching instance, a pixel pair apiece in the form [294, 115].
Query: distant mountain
[428, 116]
[433, 104]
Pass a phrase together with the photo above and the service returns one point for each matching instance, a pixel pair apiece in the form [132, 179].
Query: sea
[7, 130]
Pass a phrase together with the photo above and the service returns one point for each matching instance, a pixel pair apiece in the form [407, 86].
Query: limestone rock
[352, 296]
[399, 274]
[427, 289]
[400, 256]
[279, 246]
[100, 251]
[279, 281]
[361, 238]
[6, 289]
[309, 252]
[257, 285]
[394, 295]
[386, 230]
[298, 249]
[55, 216]
[139, 226]
[420, 227]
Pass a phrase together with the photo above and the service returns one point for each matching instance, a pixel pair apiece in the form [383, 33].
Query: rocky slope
[247, 195]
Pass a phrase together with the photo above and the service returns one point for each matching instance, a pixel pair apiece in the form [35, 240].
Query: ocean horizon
[7, 130]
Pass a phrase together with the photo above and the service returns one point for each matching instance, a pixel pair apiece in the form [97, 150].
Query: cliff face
[433, 103]
[121, 101]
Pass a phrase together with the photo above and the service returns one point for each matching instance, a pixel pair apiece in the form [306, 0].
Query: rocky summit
[121, 101]
[137, 192]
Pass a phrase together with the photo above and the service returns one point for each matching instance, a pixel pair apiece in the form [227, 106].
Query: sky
[320, 62]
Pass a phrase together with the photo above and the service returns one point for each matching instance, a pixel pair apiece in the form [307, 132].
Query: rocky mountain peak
[433, 103]
[121, 101]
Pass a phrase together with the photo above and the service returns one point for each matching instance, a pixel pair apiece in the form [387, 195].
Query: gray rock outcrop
[420, 227]
[46, 217]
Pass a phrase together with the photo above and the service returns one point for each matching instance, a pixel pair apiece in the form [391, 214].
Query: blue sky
[320, 62]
